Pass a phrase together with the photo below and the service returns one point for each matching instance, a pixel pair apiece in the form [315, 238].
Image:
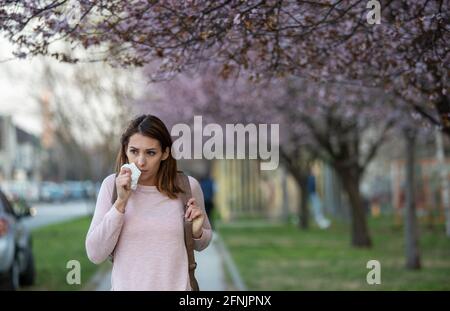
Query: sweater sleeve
[202, 242]
[106, 224]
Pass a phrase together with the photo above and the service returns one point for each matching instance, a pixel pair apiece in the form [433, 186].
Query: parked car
[75, 190]
[53, 192]
[16, 255]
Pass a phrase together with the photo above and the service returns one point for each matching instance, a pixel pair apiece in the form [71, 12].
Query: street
[50, 213]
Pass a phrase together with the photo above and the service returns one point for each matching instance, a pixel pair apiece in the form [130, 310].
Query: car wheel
[11, 280]
[28, 276]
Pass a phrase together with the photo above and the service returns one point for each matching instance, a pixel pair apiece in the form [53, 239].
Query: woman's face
[146, 153]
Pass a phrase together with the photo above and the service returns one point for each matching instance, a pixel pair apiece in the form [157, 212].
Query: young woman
[143, 229]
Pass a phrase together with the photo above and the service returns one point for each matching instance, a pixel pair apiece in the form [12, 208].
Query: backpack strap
[113, 200]
[114, 194]
[183, 182]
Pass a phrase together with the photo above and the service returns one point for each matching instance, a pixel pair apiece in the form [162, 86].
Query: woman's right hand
[123, 185]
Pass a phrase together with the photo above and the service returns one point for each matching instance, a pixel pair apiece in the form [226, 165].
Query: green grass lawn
[281, 257]
[53, 247]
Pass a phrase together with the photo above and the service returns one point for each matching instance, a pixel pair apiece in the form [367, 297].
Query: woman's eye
[151, 153]
[133, 151]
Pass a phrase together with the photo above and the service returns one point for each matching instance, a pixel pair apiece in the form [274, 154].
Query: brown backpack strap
[183, 182]
[114, 194]
[113, 200]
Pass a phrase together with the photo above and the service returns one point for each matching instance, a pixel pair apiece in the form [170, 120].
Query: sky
[15, 96]
[21, 86]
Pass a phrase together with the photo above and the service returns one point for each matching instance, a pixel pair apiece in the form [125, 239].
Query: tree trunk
[411, 228]
[303, 211]
[284, 188]
[445, 188]
[360, 232]
[303, 208]
[443, 109]
[299, 169]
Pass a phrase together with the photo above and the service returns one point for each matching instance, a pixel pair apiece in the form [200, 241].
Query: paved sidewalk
[210, 272]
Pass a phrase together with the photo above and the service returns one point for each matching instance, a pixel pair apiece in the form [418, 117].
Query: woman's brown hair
[153, 127]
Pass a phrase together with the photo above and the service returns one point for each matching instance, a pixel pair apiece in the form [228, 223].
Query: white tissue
[135, 173]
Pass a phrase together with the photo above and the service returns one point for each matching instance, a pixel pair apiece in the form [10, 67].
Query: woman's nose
[141, 161]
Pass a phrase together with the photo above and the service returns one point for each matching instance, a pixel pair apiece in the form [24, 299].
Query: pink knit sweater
[147, 240]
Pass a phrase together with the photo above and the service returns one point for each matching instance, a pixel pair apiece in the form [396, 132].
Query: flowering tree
[345, 127]
[407, 52]
[342, 125]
